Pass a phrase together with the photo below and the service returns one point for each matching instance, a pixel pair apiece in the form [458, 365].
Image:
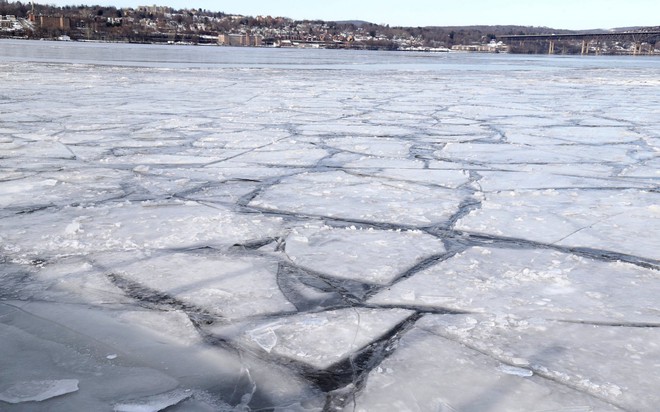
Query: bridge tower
[585, 47]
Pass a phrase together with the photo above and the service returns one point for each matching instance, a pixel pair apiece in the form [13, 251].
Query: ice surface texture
[38, 390]
[198, 229]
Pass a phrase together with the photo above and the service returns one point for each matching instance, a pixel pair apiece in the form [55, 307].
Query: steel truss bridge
[648, 35]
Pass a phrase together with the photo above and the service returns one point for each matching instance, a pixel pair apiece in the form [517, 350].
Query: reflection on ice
[308, 230]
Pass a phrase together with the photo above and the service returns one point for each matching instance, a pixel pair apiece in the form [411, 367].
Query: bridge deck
[637, 35]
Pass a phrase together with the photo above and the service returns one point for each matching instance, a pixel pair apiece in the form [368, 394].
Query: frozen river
[227, 229]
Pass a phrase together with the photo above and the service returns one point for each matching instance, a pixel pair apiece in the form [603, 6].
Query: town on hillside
[156, 24]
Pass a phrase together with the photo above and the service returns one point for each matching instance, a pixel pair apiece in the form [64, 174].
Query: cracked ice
[255, 229]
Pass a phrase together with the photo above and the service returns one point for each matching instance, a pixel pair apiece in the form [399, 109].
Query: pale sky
[559, 14]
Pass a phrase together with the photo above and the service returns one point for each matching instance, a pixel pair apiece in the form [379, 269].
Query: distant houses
[9, 22]
[492, 47]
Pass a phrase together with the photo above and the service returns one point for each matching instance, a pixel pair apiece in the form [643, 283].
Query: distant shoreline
[165, 25]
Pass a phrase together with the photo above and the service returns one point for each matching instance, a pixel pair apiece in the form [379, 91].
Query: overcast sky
[559, 14]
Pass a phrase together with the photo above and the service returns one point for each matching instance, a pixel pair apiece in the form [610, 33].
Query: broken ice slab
[436, 177]
[188, 158]
[67, 280]
[229, 192]
[38, 390]
[88, 185]
[34, 146]
[540, 178]
[130, 226]
[401, 169]
[154, 403]
[493, 109]
[459, 378]
[600, 171]
[342, 195]
[459, 130]
[357, 163]
[343, 128]
[320, 339]
[503, 154]
[228, 286]
[369, 256]
[244, 137]
[233, 169]
[284, 153]
[578, 356]
[532, 282]
[577, 135]
[371, 146]
[647, 171]
[609, 220]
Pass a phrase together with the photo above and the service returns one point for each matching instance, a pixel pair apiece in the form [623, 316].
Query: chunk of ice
[267, 338]
[154, 403]
[38, 390]
[513, 370]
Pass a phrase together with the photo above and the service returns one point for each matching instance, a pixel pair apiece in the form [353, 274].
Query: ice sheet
[215, 228]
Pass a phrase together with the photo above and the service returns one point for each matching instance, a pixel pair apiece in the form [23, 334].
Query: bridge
[639, 37]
